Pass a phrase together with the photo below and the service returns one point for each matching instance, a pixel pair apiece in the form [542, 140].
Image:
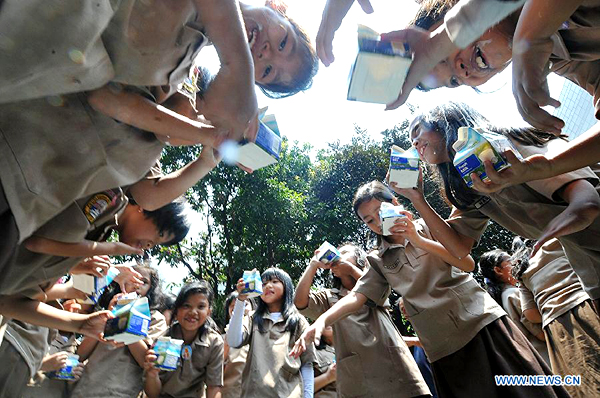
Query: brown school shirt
[550, 284]
[114, 372]
[204, 368]
[232, 371]
[527, 209]
[270, 371]
[31, 341]
[325, 358]
[52, 47]
[445, 305]
[372, 358]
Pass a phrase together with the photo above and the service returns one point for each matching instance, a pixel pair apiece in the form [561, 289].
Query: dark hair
[290, 314]
[232, 296]
[446, 120]
[172, 219]
[487, 262]
[431, 12]
[310, 65]
[168, 302]
[154, 294]
[521, 249]
[189, 289]
[360, 258]
[371, 190]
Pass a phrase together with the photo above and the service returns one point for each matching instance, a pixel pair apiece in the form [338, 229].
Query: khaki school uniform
[52, 47]
[232, 371]
[372, 358]
[527, 209]
[571, 326]
[325, 358]
[114, 372]
[204, 368]
[270, 372]
[511, 302]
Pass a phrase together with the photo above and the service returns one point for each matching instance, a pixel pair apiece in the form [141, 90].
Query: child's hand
[90, 266]
[530, 86]
[314, 261]
[310, 335]
[333, 14]
[54, 362]
[566, 223]
[240, 287]
[332, 372]
[78, 371]
[209, 157]
[405, 227]
[412, 194]
[113, 301]
[244, 168]
[149, 361]
[342, 268]
[128, 278]
[94, 324]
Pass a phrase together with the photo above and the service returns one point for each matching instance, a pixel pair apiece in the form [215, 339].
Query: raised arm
[85, 248]
[301, 296]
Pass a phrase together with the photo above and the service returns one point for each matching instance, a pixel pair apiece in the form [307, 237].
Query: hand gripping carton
[168, 353]
[252, 283]
[265, 150]
[404, 167]
[92, 285]
[378, 73]
[131, 321]
[328, 253]
[66, 373]
[389, 214]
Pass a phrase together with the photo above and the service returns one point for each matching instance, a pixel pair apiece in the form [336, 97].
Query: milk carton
[131, 321]
[328, 253]
[92, 285]
[388, 213]
[404, 167]
[252, 283]
[265, 150]
[66, 373]
[473, 147]
[378, 73]
[168, 353]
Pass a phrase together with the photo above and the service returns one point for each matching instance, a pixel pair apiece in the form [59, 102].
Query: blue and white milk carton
[66, 373]
[265, 150]
[131, 321]
[388, 213]
[474, 146]
[92, 285]
[252, 283]
[380, 68]
[404, 167]
[328, 253]
[168, 353]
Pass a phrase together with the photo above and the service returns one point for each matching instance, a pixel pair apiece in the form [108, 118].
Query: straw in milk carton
[252, 283]
[328, 253]
[168, 353]
[404, 167]
[388, 213]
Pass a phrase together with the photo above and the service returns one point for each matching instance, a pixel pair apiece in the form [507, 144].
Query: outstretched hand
[93, 326]
[566, 223]
[310, 335]
[333, 14]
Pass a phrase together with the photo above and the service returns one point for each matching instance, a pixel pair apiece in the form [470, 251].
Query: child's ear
[498, 271]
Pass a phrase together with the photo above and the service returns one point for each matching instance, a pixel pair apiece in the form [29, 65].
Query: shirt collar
[201, 340]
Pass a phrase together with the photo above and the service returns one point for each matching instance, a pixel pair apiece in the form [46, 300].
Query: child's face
[141, 290]
[430, 144]
[504, 272]
[141, 232]
[247, 307]
[369, 214]
[274, 45]
[474, 65]
[194, 312]
[273, 291]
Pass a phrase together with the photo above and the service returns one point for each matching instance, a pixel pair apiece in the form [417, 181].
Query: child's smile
[194, 312]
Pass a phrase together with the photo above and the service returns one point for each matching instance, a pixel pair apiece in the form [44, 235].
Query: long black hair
[189, 289]
[521, 249]
[154, 294]
[446, 120]
[290, 314]
[487, 263]
[372, 190]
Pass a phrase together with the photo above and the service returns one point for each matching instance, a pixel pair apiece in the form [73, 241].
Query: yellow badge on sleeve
[97, 205]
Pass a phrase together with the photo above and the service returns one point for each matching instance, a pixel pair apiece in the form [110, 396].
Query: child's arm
[152, 384]
[406, 228]
[301, 296]
[532, 48]
[138, 351]
[54, 362]
[308, 379]
[351, 303]
[42, 314]
[86, 348]
[235, 331]
[135, 110]
[85, 248]
[325, 379]
[212, 392]
[63, 291]
[152, 194]
[583, 208]
[533, 315]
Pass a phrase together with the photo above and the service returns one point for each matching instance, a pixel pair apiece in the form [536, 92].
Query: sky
[306, 117]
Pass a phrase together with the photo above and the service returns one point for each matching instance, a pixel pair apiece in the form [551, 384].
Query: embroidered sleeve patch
[97, 205]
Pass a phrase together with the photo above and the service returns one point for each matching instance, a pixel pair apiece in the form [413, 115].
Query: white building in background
[577, 109]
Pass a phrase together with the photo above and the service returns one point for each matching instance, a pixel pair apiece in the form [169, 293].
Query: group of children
[90, 92]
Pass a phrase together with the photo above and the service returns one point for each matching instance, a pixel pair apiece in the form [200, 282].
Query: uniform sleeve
[471, 222]
[318, 303]
[158, 326]
[214, 369]
[583, 73]
[373, 284]
[469, 19]
[527, 299]
[235, 329]
[512, 306]
[310, 355]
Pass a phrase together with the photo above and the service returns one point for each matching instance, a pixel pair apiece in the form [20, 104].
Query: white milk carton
[473, 147]
[388, 213]
[265, 150]
[328, 253]
[92, 285]
[378, 73]
[404, 167]
[168, 353]
[252, 283]
[131, 321]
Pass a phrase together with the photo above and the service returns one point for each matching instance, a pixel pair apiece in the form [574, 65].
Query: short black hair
[173, 219]
[198, 287]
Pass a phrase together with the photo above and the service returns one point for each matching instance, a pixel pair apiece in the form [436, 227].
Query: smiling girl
[202, 356]
[271, 331]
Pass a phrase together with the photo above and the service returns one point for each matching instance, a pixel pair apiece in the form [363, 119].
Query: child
[117, 372]
[466, 335]
[202, 356]
[325, 367]
[372, 357]
[271, 331]
[571, 326]
[235, 358]
[565, 206]
[495, 266]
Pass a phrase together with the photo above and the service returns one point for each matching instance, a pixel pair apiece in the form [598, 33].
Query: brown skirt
[498, 349]
[573, 341]
[14, 372]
